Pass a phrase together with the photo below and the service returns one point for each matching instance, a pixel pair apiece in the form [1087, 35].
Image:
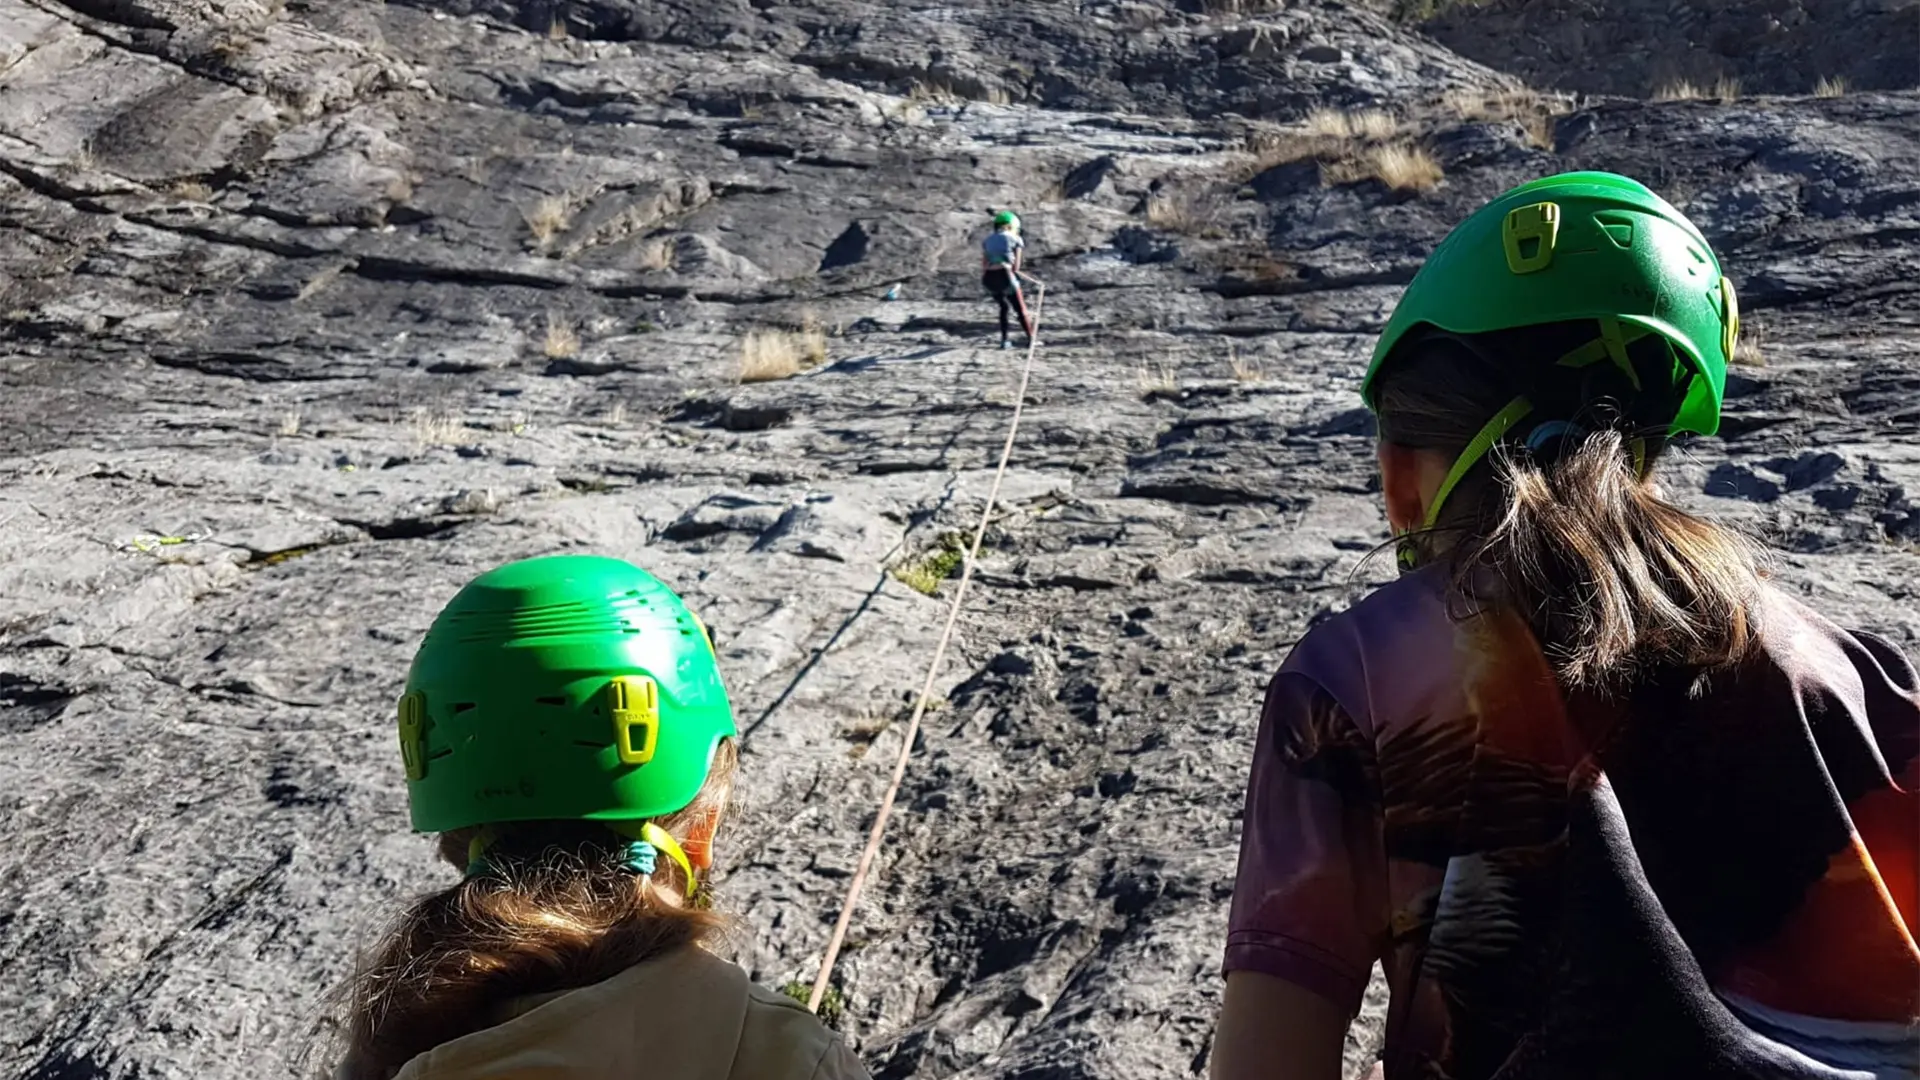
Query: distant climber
[1000, 255]
[565, 732]
[1601, 799]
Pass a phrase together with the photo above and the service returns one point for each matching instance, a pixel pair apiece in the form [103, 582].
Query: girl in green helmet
[1599, 798]
[565, 733]
[1000, 255]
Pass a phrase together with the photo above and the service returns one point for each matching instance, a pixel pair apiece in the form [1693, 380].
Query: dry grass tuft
[1680, 90]
[1747, 352]
[1400, 166]
[1192, 214]
[548, 217]
[767, 354]
[557, 29]
[1725, 90]
[1534, 112]
[1833, 87]
[290, 423]
[1157, 379]
[658, 255]
[191, 191]
[561, 341]
[435, 428]
[1244, 369]
[1369, 124]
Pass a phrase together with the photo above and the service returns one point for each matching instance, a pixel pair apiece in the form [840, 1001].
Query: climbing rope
[933, 669]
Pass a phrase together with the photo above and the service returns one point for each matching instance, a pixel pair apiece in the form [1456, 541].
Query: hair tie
[1548, 430]
[638, 858]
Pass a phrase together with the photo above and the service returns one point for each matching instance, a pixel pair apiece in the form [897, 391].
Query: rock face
[313, 311]
[1637, 46]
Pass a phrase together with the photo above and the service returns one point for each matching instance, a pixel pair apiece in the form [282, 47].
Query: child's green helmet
[570, 687]
[1582, 245]
[1006, 217]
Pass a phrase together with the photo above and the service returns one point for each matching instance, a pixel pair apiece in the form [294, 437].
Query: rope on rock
[933, 670]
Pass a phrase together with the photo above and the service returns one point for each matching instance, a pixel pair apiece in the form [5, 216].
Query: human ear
[1400, 476]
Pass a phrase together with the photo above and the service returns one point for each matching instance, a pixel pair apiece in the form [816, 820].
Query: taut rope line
[933, 670]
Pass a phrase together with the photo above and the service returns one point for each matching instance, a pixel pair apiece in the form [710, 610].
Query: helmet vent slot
[465, 706]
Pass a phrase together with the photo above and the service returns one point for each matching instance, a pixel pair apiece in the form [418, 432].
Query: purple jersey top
[1714, 872]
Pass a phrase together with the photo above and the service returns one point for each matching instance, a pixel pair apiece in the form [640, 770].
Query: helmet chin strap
[1490, 434]
[646, 836]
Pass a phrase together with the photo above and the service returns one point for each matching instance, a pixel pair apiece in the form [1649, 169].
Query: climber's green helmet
[1582, 245]
[569, 687]
[1005, 217]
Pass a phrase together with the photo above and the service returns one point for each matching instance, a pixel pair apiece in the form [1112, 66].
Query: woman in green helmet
[565, 733]
[1600, 799]
[1000, 255]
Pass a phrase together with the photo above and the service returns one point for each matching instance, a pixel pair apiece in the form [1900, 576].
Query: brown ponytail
[555, 910]
[1612, 577]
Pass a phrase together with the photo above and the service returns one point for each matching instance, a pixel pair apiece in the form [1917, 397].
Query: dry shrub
[191, 191]
[1830, 87]
[1680, 90]
[1191, 215]
[560, 341]
[767, 354]
[548, 217]
[432, 428]
[1534, 112]
[1157, 379]
[658, 255]
[1747, 352]
[1244, 369]
[1727, 90]
[1369, 124]
[1400, 166]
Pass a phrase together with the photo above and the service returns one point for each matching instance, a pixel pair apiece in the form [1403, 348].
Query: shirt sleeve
[1309, 898]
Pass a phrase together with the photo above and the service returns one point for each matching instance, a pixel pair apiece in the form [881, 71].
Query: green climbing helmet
[1006, 217]
[1583, 245]
[569, 687]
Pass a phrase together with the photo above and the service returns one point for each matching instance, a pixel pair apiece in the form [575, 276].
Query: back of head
[1552, 347]
[565, 732]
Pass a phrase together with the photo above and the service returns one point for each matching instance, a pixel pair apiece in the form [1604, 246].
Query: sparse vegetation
[1747, 351]
[616, 414]
[1679, 90]
[832, 1006]
[438, 428]
[561, 340]
[557, 29]
[548, 217]
[191, 191]
[1533, 111]
[1400, 166]
[1725, 90]
[924, 574]
[1830, 87]
[1372, 124]
[1192, 213]
[1350, 147]
[1243, 368]
[658, 254]
[290, 423]
[767, 354]
[1157, 379]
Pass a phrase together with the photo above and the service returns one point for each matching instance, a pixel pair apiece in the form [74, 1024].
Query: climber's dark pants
[1005, 290]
